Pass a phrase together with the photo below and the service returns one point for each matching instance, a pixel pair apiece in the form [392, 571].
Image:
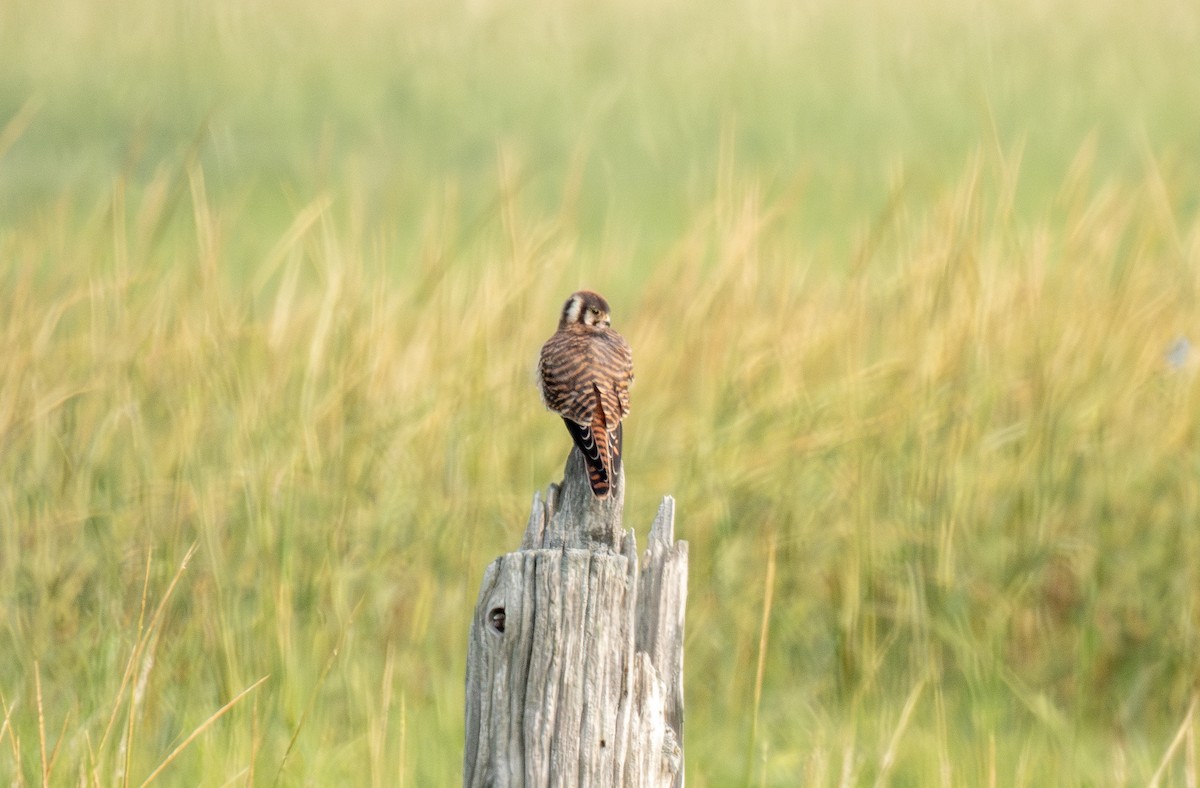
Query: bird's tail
[593, 444]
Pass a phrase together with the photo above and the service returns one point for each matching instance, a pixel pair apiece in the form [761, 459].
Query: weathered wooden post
[575, 664]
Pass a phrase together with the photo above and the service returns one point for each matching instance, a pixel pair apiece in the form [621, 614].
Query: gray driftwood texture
[575, 667]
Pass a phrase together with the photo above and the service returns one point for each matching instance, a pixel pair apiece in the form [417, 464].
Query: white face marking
[571, 313]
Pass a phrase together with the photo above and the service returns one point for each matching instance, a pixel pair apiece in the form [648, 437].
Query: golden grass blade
[377, 736]
[1181, 735]
[203, 727]
[37, 683]
[403, 768]
[8, 711]
[246, 773]
[12, 736]
[316, 689]
[991, 760]
[146, 636]
[298, 228]
[764, 630]
[254, 742]
[846, 779]
[18, 123]
[137, 696]
[47, 762]
[62, 732]
[130, 663]
[1190, 772]
[889, 756]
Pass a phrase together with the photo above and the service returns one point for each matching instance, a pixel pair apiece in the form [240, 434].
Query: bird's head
[585, 308]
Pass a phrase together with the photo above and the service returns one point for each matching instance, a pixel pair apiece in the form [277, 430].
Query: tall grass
[269, 411]
[976, 461]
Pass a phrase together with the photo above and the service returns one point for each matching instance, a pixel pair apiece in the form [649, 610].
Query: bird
[584, 372]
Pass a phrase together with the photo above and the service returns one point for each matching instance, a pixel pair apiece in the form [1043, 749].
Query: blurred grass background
[900, 284]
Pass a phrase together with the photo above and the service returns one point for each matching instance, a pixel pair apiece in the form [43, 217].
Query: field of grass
[900, 283]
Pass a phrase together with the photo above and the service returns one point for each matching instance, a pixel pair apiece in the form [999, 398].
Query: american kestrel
[585, 371]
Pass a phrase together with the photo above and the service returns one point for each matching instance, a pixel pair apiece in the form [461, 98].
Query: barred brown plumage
[584, 371]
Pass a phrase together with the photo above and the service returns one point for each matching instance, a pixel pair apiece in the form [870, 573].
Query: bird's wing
[566, 375]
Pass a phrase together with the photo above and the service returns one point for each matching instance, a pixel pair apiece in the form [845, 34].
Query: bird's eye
[595, 311]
